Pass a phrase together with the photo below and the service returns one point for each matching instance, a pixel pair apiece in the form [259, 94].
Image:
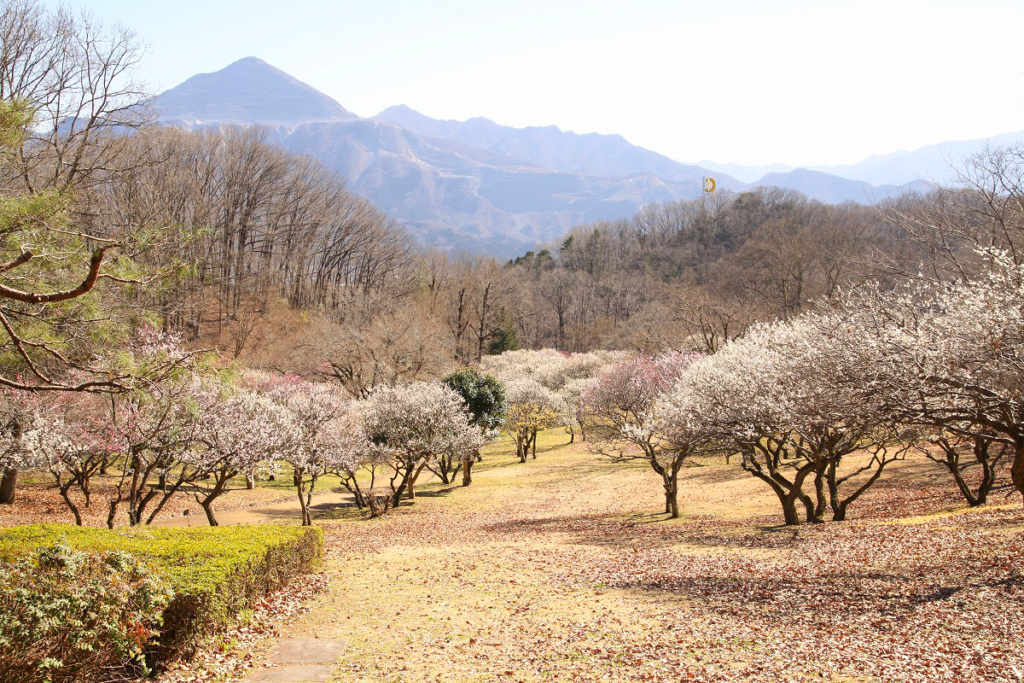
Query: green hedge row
[213, 572]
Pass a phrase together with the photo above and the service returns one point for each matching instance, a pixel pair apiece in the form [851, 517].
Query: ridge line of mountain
[470, 184]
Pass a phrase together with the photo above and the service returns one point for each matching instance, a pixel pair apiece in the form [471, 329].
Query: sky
[788, 81]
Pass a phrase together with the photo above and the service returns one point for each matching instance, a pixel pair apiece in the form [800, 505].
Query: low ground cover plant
[71, 615]
[193, 582]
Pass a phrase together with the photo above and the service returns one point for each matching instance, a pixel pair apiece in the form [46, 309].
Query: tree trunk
[467, 471]
[66, 495]
[112, 513]
[789, 511]
[300, 488]
[412, 481]
[8, 486]
[965, 490]
[817, 515]
[207, 506]
[789, 493]
[1017, 469]
[836, 501]
[671, 496]
[250, 482]
[534, 440]
[304, 507]
[218, 488]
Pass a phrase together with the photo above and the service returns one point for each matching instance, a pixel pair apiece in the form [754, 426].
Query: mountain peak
[248, 91]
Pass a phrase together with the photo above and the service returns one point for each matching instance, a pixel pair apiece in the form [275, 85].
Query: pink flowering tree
[153, 435]
[72, 438]
[625, 405]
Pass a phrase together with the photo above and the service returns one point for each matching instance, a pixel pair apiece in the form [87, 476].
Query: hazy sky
[789, 81]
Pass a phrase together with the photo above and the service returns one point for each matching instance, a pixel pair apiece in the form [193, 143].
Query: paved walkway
[299, 660]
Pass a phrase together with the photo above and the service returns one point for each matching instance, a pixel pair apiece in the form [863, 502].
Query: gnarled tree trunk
[1017, 468]
[8, 486]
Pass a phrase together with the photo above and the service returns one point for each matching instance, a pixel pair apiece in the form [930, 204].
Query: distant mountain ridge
[832, 189]
[246, 92]
[605, 156]
[475, 185]
[931, 164]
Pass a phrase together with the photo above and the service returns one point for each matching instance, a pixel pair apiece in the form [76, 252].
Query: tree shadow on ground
[650, 530]
[443, 492]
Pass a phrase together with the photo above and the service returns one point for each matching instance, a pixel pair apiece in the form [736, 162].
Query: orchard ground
[562, 569]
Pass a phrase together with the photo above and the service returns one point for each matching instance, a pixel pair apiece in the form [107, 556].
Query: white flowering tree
[413, 424]
[834, 409]
[531, 407]
[348, 452]
[741, 396]
[544, 388]
[951, 359]
[327, 433]
[796, 399]
[626, 404]
[237, 432]
[574, 413]
[18, 411]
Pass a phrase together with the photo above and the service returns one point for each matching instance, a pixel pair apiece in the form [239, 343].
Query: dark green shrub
[69, 615]
[484, 396]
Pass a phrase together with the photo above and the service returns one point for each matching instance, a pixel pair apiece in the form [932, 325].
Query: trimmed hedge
[213, 572]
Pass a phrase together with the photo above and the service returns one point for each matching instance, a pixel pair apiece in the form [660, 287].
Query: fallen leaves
[535, 574]
[230, 655]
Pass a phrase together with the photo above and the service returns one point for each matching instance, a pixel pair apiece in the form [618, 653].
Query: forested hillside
[267, 257]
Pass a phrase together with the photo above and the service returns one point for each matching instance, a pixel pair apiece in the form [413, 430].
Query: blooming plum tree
[625, 402]
[413, 424]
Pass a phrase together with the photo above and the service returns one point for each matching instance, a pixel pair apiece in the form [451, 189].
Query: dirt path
[560, 569]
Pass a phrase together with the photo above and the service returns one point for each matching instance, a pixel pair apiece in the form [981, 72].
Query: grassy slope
[561, 569]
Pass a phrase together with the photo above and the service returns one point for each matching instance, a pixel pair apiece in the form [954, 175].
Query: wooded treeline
[226, 239]
[266, 256]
